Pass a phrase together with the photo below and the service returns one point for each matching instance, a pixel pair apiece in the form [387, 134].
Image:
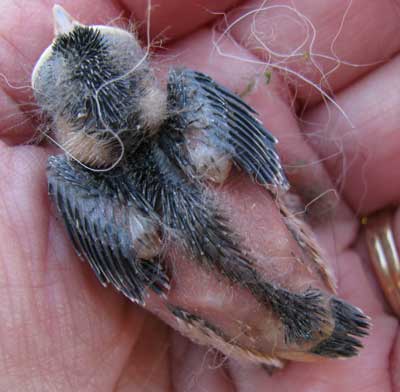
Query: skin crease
[61, 330]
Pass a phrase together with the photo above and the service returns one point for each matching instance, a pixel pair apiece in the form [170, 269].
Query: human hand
[62, 330]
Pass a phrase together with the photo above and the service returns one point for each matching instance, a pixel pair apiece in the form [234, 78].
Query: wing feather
[97, 221]
[197, 101]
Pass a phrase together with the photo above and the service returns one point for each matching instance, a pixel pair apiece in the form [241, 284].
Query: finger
[319, 40]
[176, 18]
[365, 156]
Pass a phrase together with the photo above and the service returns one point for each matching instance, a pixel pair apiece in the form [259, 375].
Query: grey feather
[96, 209]
[197, 101]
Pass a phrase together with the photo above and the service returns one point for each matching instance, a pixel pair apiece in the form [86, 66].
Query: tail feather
[350, 323]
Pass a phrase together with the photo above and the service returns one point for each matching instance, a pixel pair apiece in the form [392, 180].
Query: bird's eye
[85, 110]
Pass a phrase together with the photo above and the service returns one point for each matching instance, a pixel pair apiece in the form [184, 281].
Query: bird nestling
[135, 178]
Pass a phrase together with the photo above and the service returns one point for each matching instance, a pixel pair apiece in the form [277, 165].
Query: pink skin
[60, 330]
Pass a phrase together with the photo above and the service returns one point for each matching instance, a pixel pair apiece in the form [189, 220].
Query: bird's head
[95, 84]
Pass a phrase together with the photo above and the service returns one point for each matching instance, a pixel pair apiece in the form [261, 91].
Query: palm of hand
[60, 329]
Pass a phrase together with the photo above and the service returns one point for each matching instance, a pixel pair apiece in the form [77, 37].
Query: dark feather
[350, 323]
[197, 101]
[96, 211]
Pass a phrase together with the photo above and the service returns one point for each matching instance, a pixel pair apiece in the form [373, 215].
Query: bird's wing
[196, 101]
[104, 218]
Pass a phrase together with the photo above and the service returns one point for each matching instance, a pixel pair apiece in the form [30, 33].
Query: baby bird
[134, 177]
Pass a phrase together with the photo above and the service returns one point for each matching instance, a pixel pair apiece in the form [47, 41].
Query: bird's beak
[63, 21]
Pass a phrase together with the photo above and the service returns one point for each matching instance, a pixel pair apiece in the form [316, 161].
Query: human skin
[60, 330]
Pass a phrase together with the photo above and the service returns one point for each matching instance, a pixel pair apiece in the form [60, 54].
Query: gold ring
[384, 256]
